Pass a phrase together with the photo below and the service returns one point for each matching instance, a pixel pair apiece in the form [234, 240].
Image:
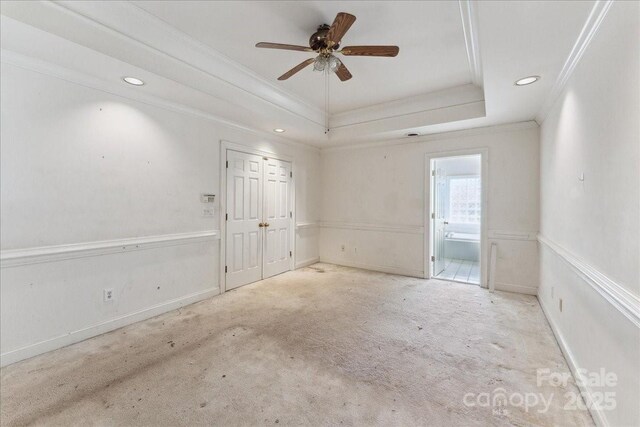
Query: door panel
[277, 207]
[244, 236]
[439, 220]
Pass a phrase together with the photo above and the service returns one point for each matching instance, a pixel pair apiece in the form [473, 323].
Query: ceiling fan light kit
[326, 42]
[330, 63]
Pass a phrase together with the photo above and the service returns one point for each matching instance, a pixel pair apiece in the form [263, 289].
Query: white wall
[373, 202]
[590, 229]
[81, 166]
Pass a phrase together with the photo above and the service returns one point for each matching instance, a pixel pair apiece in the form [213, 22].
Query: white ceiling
[201, 55]
[430, 36]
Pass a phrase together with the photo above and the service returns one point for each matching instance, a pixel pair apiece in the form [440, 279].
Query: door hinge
[226, 217]
[291, 174]
[227, 164]
[433, 173]
[290, 214]
[290, 254]
[433, 259]
[225, 268]
[433, 216]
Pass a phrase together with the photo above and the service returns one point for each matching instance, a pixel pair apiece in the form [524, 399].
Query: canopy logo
[598, 384]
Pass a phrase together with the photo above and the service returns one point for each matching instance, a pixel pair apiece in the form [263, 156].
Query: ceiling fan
[325, 42]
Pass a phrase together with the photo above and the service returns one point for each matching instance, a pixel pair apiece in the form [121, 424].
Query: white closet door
[277, 207]
[244, 209]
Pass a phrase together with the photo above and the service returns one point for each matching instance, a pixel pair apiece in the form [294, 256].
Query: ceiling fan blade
[343, 73]
[297, 68]
[370, 50]
[340, 26]
[283, 46]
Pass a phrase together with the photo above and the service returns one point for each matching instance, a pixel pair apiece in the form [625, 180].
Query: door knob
[261, 224]
[446, 223]
[266, 224]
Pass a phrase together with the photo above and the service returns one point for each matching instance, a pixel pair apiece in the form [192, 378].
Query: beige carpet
[323, 345]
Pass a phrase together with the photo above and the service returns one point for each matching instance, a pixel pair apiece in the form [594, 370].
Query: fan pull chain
[326, 100]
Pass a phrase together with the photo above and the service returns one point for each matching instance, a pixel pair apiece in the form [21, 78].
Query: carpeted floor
[324, 345]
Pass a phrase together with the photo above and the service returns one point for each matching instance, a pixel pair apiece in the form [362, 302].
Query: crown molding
[400, 116]
[85, 80]
[449, 97]
[589, 30]
[470, 30]
[126, 32]
[394, 124]
[508, 127]
[146, 30]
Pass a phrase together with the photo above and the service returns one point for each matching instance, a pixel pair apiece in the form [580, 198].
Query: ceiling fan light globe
[320, 63]
[334, 63]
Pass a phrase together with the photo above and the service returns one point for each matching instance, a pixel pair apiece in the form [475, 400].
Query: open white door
[277, 217]
[244, 210]
[439, 222]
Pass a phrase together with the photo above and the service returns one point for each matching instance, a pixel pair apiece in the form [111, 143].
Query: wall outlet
[207, 212]
[108, 295]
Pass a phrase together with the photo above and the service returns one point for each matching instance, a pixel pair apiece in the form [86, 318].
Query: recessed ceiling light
[527, 80]
[133, 81]
[278, 130]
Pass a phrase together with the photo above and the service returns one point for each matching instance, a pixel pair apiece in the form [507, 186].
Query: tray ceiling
[430, 35]
[456, 68]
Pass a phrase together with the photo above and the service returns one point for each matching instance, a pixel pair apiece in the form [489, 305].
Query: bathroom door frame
[428, 207]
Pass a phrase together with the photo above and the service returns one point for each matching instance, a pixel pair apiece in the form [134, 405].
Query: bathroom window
[464, 200]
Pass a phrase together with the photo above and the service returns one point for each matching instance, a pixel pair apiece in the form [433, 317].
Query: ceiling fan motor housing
[318, 39]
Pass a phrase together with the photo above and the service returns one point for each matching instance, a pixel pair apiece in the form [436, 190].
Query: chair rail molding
[513, 235]
[306, 225]
[37, 255]
[391, 228]
[623, 300]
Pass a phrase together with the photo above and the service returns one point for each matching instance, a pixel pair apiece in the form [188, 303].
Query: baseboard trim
[517, 289]
[380, 268]
[18, 257]
[307, 262]
[597, 415]
[623, 300]
[73, 337]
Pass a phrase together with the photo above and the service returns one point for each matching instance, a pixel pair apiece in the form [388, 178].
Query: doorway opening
[456, 218]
